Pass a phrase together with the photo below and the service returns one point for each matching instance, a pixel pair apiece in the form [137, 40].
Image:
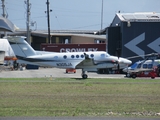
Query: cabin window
[144, 65]
[64, 56]
[72, 56]
[77, 56]
[150, 66]
[102, 55]
[92, 55]
[55, 57]
[82, 56]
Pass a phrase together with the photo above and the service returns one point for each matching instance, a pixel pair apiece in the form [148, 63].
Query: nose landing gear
[84, 76]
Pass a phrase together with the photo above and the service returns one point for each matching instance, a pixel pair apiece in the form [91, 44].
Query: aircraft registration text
[64, 64]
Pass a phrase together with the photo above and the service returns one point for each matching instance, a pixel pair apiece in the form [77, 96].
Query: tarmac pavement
[51, 72]
[6, 72]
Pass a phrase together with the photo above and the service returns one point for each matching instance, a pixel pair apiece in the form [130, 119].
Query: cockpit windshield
[104, 55]
[107, 55]
[139, 65]
[134, 65]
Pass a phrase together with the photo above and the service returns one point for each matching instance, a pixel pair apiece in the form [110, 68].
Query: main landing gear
[84, 76]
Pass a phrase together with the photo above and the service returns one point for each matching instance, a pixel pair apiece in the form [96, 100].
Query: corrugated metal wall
[114, 40]
[140, 38]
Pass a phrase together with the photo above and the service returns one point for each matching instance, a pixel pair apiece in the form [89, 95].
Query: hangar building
[134, 34]
[64, 40]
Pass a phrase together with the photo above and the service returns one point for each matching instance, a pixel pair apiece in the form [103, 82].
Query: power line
[86, 26]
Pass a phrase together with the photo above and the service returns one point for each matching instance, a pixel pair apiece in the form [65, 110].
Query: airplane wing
[86, 62]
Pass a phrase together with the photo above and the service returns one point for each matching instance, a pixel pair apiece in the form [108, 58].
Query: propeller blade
[118, 55]
[118, 67]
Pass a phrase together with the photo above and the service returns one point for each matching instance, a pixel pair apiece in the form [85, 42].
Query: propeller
[86, 56]
[118, 51]
[118, 66]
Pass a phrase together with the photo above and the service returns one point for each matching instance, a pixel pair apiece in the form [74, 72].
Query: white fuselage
[80, 60]
[100, 59]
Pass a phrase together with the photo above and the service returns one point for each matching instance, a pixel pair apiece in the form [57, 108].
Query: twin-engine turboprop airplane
[87, 61]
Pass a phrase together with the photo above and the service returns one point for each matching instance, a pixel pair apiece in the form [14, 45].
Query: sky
[74, 14]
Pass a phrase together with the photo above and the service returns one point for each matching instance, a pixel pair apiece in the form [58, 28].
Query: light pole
[48, 19]
[3, 9]
[28, 21]
[102, 16]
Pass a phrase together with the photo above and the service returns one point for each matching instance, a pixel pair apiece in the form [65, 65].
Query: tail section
[20, 46]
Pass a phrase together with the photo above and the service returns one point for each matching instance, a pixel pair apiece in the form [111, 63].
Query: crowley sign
[73, 47]
[78, 49]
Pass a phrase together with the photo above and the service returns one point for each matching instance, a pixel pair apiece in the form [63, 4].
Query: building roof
[139, 17]
[70, 34]
[44, 33]
[59, 31]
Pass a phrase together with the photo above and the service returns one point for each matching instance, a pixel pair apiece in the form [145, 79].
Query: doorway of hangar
[114, 45]
[114, 41]
[36, 42]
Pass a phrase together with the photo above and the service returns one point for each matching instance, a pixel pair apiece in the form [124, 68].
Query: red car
[69, 70]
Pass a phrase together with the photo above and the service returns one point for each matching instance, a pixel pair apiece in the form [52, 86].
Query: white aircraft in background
[87, 61]
[2, 55]
[146, 65]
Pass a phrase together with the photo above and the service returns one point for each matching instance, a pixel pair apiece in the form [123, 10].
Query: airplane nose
[129, 62]
[125, 61]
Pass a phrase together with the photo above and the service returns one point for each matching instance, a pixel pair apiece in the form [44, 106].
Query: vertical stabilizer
[20, 46]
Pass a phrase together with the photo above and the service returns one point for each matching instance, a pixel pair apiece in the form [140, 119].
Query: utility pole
[4, 14]
[3, 9]
[102, 16]
[28, 21]
[49, 38]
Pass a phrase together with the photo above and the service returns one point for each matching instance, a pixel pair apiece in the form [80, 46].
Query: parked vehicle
[70, 70]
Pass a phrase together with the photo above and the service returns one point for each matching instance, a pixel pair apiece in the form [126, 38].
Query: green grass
[78, 97]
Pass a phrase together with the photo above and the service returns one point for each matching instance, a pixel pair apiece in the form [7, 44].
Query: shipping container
[73, 47]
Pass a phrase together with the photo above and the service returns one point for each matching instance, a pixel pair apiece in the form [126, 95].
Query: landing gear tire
[159, 74]
[128, 75]
[152, 77]
[84, 76]
[134, 76]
